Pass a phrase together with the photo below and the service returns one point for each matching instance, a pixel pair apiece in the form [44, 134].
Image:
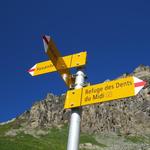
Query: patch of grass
[136, 139]
[85, 138]
[56, 139]
[4, 128]
[19, 143]
[12, 125]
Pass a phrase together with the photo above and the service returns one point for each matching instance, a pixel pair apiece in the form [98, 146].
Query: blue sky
[116, 35]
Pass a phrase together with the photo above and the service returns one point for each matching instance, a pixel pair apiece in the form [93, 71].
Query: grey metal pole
[74, 129]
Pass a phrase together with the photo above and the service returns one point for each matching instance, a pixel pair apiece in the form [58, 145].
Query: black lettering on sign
[123, 84]
[98, 96]
[45, 67]
[109, 87]
[87, 99]
[94, 90]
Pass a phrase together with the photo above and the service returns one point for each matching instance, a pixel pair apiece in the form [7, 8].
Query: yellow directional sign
[57, 60]
[107, 91]
[71, 61]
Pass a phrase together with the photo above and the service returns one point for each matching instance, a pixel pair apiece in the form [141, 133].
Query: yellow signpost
[107, 91]
[71, 61]
[80, 96]
[57, 60]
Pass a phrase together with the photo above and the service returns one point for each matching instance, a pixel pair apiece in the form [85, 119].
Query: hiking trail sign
[71, 61]
[80, 96]
[107, 91]
[57, 62]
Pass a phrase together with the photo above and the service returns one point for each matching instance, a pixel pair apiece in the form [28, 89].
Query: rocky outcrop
[125, 116]
[46, 113]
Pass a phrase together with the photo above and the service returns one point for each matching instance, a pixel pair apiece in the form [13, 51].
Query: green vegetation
[5, 128]
[54, 140]
[137, 139]
[85, 138]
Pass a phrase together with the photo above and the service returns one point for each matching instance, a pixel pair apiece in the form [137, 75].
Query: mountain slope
[57, 139]
[112, 125]
[126, 116]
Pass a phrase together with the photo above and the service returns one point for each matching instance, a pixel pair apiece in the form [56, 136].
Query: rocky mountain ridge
[124, 116]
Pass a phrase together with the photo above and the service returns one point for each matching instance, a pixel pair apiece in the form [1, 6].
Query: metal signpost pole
[74, 129]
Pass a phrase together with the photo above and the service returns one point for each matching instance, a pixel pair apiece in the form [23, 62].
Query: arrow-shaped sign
[57, 60]
[75, 60]
[107, 91]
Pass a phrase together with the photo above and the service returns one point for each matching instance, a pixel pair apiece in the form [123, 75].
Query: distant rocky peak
[142, 71]
[142, 68]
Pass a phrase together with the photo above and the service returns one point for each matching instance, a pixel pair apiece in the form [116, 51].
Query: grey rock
[124, 116]
[89, 146]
